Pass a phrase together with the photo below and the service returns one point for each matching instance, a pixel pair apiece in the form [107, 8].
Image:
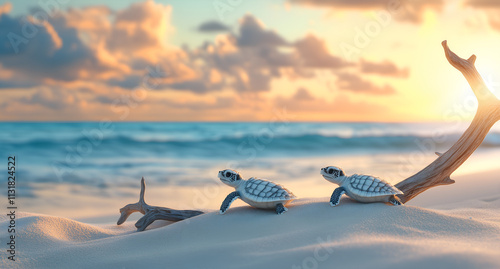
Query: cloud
[385, 68]
[128, 82]
[494, 22]
[314, 53]
[253, 33]
[361, 4]
[354, 83]
[492, 11]
[483, 3]
[92, 22]
[339, 108]
[302, 100]
[404, 10]
[54, 99]
[5, 8]
[92, 44]
[16, 83]
[250, 59]
[199, 106]
[140, 29]
[213, 26]
[195, 85]
[246, 61]
[50, 50]
[302, 94]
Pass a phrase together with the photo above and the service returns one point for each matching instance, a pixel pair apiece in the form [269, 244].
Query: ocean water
[110, 154]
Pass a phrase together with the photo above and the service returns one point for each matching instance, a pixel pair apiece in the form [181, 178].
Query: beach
[464, 232]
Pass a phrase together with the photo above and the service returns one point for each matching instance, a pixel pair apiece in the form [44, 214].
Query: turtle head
[333, 174]
[230, 177]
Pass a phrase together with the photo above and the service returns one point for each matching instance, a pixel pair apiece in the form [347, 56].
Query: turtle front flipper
[227, 202]
[280, 209]
[395, 200]
[337, 193]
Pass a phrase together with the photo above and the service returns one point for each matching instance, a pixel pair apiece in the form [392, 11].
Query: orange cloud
[342, 107]
[141, 30]
[5, 8]
[405, 10]
[92, 22]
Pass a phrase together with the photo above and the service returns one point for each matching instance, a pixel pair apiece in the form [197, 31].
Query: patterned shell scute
[370, 186]
[265, 191]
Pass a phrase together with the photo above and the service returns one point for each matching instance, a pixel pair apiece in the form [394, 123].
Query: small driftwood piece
[152, 213]
[488, 113]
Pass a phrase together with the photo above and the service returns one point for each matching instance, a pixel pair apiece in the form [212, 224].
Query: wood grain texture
[152, 213]
[488, 113]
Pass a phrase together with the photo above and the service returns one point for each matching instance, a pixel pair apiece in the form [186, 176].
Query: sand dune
[310, 235]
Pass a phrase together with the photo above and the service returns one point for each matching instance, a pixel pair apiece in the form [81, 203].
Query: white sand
[458, 227]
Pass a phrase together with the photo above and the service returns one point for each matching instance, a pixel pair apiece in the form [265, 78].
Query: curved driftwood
[488, 113]
[152, 213]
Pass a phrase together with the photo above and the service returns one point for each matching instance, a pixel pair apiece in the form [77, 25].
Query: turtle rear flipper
[395, 200]
[280, 209]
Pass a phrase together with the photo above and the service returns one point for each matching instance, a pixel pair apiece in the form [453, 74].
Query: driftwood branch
[488, 113]
[152, 213]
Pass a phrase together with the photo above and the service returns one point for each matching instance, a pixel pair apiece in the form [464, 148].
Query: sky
[242, 60]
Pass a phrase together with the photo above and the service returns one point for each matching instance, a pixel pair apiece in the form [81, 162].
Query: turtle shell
[370, 186]
[265, 191]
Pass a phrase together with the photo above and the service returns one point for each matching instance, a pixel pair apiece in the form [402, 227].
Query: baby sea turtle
[256, 192]
[366, 189]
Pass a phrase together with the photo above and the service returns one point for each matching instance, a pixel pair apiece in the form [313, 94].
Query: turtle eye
[330, 171]
[228, 174]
